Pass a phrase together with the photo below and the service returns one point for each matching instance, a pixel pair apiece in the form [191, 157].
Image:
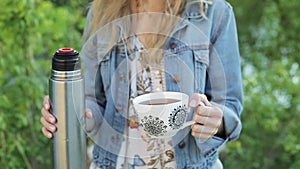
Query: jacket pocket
[201, 61]
[179, 70]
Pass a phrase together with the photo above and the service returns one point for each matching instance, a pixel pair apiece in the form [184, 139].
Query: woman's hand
[208, 118]
[48, 120]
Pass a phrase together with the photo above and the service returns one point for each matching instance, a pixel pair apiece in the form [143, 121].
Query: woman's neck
[149, 21]
[139, 6]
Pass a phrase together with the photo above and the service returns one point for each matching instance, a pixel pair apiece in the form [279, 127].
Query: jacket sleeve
[94, 95]
[224, 81]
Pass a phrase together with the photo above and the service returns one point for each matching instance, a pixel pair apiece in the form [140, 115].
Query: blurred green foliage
[270, 49]
[31, 31]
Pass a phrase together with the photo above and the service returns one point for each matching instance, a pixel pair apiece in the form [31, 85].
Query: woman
[133, 47]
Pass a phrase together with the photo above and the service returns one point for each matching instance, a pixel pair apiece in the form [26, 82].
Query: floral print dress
[138, 150]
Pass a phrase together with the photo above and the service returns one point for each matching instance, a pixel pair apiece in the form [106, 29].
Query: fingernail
[46, 106]
[193, 102]
[52, 128]
[52, 120]
[49, 135]
[88, 115]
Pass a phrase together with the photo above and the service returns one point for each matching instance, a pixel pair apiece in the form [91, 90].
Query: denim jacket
[204, 57]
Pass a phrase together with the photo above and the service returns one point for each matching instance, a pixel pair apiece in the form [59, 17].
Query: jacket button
[181, 144]
[113, 138]
[176, 79]
[122, 78]
[173, 45]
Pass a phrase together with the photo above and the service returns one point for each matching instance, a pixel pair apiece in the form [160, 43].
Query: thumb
[88, 114]
[198, 99]
[89, 122]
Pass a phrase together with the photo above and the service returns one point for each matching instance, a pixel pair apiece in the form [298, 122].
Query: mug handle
[186, 124]
[189, 123]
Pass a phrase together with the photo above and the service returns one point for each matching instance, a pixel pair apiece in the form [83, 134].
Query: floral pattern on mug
[153, 126]
[177, 117]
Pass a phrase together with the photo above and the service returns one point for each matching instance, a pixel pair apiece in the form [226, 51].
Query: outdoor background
[32, 30]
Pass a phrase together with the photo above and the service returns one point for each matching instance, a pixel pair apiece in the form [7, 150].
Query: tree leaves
[31, 31]
[270, 52]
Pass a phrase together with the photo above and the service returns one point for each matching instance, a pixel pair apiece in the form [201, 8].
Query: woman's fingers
[48, 116]
[209, 111]
[48, 120]
[50, 127]
[207, 121]
[47, 133]
[46, 103]
[198, 99]
[203, 132]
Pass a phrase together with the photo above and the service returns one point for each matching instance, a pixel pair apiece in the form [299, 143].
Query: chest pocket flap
[201, 57]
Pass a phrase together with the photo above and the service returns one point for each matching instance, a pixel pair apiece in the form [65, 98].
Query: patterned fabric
[138, 150]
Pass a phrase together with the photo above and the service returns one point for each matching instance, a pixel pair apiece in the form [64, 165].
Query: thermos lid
[66, 59]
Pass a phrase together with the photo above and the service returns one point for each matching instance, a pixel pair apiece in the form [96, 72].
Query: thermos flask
[66, 88]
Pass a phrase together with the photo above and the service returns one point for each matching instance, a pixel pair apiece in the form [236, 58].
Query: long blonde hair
[107, 11]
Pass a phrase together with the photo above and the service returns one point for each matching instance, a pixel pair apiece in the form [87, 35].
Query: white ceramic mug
[162, 114]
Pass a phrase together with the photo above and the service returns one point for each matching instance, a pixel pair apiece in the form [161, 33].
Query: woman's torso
[186, 58]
